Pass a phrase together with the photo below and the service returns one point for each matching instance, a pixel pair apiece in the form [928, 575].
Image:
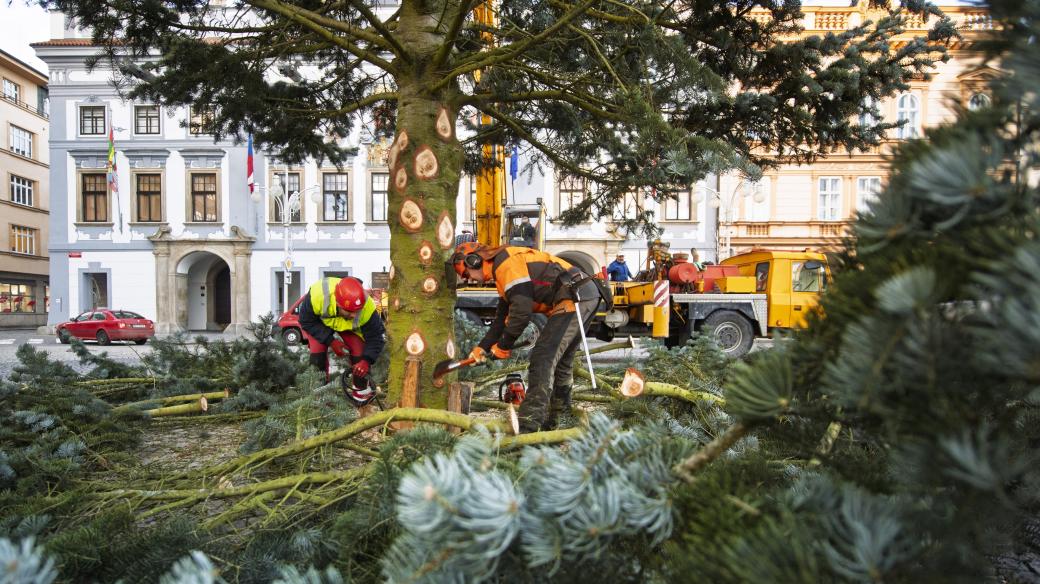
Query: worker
[617, 271]
[524, 231]
[464, 237]
[531, 281]
[695, 258]
[340, 306]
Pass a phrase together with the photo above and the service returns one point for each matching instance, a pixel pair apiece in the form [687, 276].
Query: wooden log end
[514, 420]
[203, 404]
[633, 383]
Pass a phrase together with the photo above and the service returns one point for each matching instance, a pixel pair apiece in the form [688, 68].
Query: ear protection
[473, 261]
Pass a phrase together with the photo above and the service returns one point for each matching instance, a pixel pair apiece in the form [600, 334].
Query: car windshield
[125, 314]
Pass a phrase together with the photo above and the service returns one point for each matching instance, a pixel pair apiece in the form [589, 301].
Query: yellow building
[798, 206]
[24, 202]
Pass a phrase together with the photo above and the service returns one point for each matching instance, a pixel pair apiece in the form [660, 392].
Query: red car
[105, 326]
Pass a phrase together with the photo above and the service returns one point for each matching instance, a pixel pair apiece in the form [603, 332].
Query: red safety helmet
[350, 295]
[466, 256]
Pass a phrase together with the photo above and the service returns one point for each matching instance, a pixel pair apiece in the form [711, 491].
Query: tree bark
[425, 162]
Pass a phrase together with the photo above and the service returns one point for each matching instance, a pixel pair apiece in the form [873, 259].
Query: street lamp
[725, 203]
[286, 204]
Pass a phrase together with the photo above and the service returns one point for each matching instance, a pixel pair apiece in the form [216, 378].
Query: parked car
[289, 321]
[105, 325]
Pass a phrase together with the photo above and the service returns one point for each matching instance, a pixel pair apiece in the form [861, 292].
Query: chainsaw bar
[447, 366]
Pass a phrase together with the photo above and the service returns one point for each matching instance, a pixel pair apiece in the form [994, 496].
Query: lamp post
[724, 202]
[286, 204]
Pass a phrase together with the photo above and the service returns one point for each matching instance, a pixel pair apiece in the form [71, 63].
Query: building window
[830, 198]
[94, 198]
[23, 239]
[146, 119]
[21, 141]
[291, 183]
[22, 191]
[16, 298]
[377, 199]
[572, 193]
[908, 110]
[336, 196]
[202, 120]
[756, 200]
[867, 189]
[679, 206]
[978, 101]
[149, 198]
[92, 120]
[204, 197]
[12, 91]
[630, 206]
[866, 117]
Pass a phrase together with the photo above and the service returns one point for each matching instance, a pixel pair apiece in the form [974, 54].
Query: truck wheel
[292, 336]
[731, 331]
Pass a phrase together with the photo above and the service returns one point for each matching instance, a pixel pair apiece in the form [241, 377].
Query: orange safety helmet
[466, 256]
[350, 295]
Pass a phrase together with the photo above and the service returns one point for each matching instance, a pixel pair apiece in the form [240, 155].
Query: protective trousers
[320, 354]
[551, 373]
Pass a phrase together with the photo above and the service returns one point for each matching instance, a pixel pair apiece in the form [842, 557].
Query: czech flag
[249, 165]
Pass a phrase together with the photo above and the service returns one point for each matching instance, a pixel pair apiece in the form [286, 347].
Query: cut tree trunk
[425, 162]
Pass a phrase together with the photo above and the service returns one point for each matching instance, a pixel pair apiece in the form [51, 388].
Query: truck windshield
[807, 279]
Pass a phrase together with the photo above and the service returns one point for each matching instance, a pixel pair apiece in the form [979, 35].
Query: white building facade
[181, 240]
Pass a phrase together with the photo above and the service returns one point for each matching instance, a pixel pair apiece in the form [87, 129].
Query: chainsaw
[447, 366]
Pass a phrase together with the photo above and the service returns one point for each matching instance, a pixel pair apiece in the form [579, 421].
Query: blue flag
[514, 164]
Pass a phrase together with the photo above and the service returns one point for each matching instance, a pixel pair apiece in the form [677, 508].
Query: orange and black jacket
[528, 281]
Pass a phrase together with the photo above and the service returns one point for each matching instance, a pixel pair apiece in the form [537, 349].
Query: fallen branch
[200, 405]
[117, 381]
[711, 451]
[174, 399]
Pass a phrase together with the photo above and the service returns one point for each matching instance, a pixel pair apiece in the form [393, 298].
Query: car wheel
[731, 331]
[292, 336]
[63, 336]
[102, 338]
[140, 341]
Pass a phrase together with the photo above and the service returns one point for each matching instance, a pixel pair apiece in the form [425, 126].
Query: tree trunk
[425, 162]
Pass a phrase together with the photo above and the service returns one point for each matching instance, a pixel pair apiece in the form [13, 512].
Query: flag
[111, 167]
[249, 166]
[514, 163]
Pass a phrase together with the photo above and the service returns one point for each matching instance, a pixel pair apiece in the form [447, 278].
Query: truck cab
[792, 282]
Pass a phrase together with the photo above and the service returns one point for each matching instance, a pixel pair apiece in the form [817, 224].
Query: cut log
[459, 395]
[201, 405]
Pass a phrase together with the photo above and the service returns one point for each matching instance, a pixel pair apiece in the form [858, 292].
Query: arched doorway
[581, 260]
[203, 292]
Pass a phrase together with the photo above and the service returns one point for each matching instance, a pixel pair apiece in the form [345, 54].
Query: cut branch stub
[402, 141]
[449, 349]
[391, 156]
[429, 285]
[426, 165]
[445, 129]
[390, 276]
[396, 304]
[425, 253]
[633, 383]
[415, 344]
[411, 215]
[401, 179]
[445, 231]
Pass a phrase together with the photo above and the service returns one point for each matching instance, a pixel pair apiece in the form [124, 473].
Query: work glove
[338, 347]
[499, 352]
[361, 368]
[478, 355]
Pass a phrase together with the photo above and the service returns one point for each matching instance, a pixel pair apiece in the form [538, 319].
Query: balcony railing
[25, 106]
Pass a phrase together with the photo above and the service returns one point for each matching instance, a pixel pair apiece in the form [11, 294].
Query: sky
[20, 25]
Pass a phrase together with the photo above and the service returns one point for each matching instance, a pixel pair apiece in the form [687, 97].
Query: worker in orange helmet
[530, 281]
[340, 306]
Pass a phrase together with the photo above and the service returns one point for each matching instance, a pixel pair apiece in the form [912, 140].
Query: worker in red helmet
[339, 307]
[530, 281]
